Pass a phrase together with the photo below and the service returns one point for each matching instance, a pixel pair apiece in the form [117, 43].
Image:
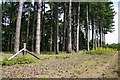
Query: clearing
[75, 65]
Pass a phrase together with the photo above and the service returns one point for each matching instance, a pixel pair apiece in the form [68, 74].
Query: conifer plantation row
[55, 26]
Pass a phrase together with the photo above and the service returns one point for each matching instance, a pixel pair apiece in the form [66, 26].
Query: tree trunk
[37, 45]
[43, 24]
[93, 28]
[93, 35]
[101, 37]
[74, 26]
[65, 25]
[51, 31]
[98, 37]
[56, 29]
[18, 25]
[27, 34]
[74, 37]
[51, 38]
[69, 45]
[78, 28]
[33, 29]
[54, 41]
[87, 27]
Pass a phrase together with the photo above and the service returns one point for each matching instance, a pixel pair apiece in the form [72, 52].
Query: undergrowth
[101, 51]
[19, 60]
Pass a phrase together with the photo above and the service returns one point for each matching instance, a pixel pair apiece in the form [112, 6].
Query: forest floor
[75, 65]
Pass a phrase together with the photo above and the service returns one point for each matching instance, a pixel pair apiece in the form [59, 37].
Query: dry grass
[65, 65]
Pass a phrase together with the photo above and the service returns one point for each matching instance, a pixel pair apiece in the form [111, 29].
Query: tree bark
[27, 34]
[74, 37]
[43, 24]
[78, 28]
[93, 35]
[93, 28]
[56, 29]
[18, 25]
[65, 26]
[69, 45]
[33, 29]
[37, 45]
[87, 27]
[101, 37]
[98, 36]
[51, 31]
[74, 28]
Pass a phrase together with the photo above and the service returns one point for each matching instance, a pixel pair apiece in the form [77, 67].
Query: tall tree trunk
[93, 34]
[51, 32]
[69, 44]
[42, 23]
[8, 43]
[51, 38]
[53, 24]
[87, 27]
[18, 25]
[27, 34]
[98, 37]
[93, 28]
[101, 37]
[37, 45]
[65, 25]
[56, 29]
[33, 28]
[74, 26]
[78, 28]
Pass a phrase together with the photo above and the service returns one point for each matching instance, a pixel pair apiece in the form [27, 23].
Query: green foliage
[100, 51]
[101, 13]
[19, 60]
[114, 46]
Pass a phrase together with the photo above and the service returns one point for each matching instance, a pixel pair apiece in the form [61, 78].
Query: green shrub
[19, 60]
[101, 51]
[114, 46]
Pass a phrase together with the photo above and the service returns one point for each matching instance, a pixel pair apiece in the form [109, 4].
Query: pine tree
[18, 25]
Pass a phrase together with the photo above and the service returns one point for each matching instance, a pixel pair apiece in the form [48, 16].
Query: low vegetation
[100, 51]
[46, 56]
[30, 59]
[114, 46]
[60, 65]
[19, 60]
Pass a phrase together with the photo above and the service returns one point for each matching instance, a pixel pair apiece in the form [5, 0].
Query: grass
[19, 60]
[50, 55]
[100, 51]
[59, 65]
[30, 59]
